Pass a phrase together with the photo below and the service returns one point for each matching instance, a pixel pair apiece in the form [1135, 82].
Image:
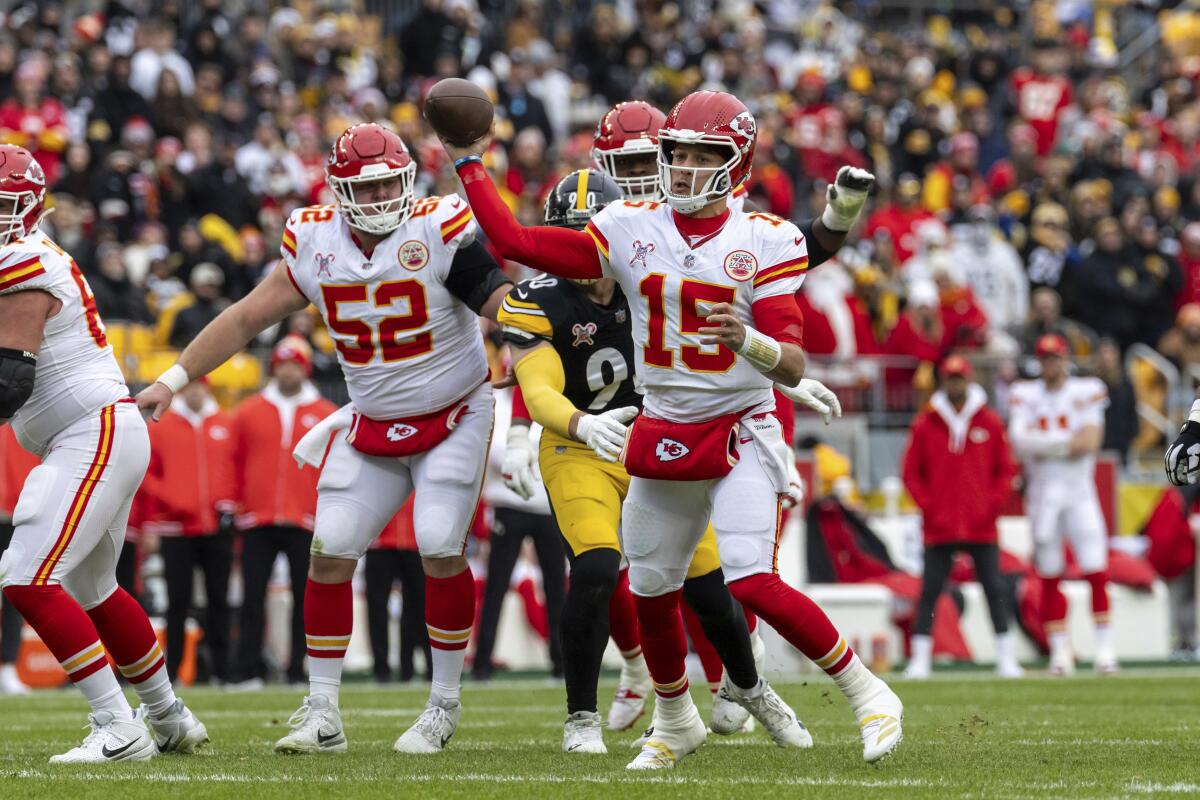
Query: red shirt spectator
[34, 121]
[1040, 100]
[900, 217]
[1189, 264]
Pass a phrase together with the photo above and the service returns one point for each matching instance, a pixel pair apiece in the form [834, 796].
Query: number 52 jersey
[594, 342]
[406, 344]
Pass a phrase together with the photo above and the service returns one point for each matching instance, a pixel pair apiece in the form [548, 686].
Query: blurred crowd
[1028, 179]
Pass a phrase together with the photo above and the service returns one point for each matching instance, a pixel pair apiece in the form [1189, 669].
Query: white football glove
[814, 395]
[1182, 459]
[605, 433]
[794, 495]
[517, 468]
[845, 198]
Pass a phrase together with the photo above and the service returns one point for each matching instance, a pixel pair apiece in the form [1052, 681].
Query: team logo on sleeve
[324, 263]
[741, 265]
[583, 334]
[413, 255]
[669, 449]
[641, 252]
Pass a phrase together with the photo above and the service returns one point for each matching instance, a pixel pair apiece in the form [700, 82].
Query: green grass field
[966, 735]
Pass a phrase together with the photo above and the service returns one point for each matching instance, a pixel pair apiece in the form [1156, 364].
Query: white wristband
[1194, 414]
[174, 378]
[760, 350]
[838, 223]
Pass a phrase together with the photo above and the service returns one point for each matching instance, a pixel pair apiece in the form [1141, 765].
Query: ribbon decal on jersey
[682, 451]
[408, 436]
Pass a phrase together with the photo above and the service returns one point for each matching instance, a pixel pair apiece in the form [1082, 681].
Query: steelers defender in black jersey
[573, 359]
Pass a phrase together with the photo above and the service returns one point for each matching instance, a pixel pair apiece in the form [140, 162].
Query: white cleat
[629, 704]
[111, 739]
[316, 728]
[432, 730]
[666, 746]
[1061, 665]
[177, 731]
[1010, 670]
[10, 682]
[775, 715]
[582, 733]
[916, 672]
[879, 721]
[1107, 665]
[728, 716]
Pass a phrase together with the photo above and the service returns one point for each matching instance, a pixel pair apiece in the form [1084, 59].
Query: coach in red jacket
[959, 470]
[277, 500]
[191, 496]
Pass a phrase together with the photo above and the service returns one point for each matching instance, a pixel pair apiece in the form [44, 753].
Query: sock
[664, 645]
[922, 652]
[622, 619]
[1099, 584]
[714, 670]
[1006, 652]
[328, 622]
[129, 638]
[69, 634]
[1105, 646]
[449, 615]
[585, 617]
[1054, 607]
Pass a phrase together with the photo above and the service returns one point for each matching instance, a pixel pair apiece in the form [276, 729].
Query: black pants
[384, 568]
[260, 548]
[213, 553]
[511, 528]
[938, 560]
[10, 619]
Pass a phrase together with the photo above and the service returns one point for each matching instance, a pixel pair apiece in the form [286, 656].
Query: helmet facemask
[16, 224]
[379, 218]
[718, 184]
[635, 187]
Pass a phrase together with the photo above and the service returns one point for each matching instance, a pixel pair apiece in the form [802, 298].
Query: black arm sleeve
[474, 276]
[817, 254]
[17, 369]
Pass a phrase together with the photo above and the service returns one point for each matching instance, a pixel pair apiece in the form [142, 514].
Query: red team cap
[956, 365]
[293, 348]
[1051, 344]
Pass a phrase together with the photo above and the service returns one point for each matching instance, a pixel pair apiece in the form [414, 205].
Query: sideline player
[1056, 425]
[64, 394]
[698, 276]
[399, 282]
[572, 350]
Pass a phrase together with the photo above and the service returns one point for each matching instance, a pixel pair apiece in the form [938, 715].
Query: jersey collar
[698, 230]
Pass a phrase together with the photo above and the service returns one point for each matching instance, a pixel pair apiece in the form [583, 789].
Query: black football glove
[1182, 459]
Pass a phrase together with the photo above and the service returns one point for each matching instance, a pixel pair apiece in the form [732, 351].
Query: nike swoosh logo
[445, 741]
[522, 293]
[104, 751]
[166, 746]
[573, 748]
[322, 738]
[799, 241]
[455, 203]
[746, 441]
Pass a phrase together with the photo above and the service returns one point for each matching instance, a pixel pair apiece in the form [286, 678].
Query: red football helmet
[363, 154]
[23, 184]
[629, 129]
[708, 118]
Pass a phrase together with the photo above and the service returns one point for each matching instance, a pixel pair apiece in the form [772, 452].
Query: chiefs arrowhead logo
[400, 431]
[669, 450]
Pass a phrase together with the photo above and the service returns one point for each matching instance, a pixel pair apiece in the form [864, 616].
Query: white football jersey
[737, 199]
[77, 374]
[671, 284]
[407, 345]
[1078, 403]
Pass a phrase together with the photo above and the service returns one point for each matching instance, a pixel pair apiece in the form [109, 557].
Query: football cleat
[1010, 670]
[316, 728]
[775, 715]
[916, 671]
[667, 745]
[1107, 665]
[1062, 663]
[111, 739]
[582, 733]
[879, 719]
[432, 730]
[727, 716]
[630, 701]
[10, 682]
[177, 731]
[637, 743]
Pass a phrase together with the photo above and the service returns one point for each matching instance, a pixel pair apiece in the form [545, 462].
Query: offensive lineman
[1056, 426]
[399, 282]
[64, 394]
[699, 275]
[572, 350]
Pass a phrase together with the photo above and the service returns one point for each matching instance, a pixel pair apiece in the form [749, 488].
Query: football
[458, 110]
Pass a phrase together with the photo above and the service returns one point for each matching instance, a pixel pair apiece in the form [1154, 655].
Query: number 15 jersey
[406, 344]
[673, 280]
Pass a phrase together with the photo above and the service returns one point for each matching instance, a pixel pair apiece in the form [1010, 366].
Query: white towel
[312, 446]
[959, 421]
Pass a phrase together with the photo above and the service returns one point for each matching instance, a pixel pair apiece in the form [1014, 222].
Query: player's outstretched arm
[558, 251]
[268, 304]
[24, 314]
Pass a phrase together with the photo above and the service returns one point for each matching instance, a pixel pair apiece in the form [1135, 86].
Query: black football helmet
[578, 197]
